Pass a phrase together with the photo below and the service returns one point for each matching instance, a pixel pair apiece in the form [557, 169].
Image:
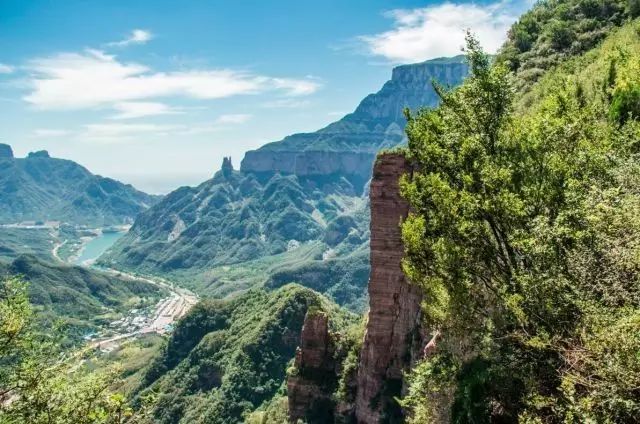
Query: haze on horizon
[156, 93]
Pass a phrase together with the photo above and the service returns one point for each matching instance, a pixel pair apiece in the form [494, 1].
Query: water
[96, 247]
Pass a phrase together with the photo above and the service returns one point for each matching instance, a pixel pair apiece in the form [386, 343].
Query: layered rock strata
[393, 339]
[348, 147]
[310, 388]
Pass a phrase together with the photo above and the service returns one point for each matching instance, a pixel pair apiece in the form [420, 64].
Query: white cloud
[435, 31]
[286, 103]
[130, 110]
[93, 79]
[137, 36]
[5, 69]
[119, 132]
[49, 133]
[237, 118]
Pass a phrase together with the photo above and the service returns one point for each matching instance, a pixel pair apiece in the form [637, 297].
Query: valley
[160, 319]
[463, 247]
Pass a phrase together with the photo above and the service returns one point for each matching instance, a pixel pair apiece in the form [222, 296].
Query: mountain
[226, 359]
[296, 210]
[504, 276]
[347, 148]
[84, 298]
[42, 188]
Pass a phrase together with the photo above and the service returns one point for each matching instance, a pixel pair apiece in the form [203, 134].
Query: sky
[156, 92]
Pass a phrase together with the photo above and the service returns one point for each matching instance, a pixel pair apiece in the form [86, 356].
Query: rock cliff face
[393, 338]
[348, 147]
[309, 390]
[5, 151]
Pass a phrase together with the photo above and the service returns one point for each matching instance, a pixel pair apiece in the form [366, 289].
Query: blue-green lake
[96, 247]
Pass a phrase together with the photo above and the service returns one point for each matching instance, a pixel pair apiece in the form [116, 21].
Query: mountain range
[295, 211]
[41, 188]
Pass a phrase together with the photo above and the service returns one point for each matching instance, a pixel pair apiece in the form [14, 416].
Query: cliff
[309, 389]
[393, 338]
[5, 151]
[349, 146]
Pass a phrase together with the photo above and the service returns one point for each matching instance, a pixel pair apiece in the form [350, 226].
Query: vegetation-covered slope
[41, 188]
[225, 359]
[233, 225]
[83, 298]
[555, 30]
[296, 212]
[524, 239]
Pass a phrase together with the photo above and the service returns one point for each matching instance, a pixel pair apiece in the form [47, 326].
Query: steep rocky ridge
[40, 188]
[393, 338]
[309, 389]
[348, 147]
[295, 212]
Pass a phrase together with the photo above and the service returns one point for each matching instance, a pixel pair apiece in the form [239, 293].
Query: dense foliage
[39, 383]
[228, 358]
[556, 29]
[85, 299]
[524, 237]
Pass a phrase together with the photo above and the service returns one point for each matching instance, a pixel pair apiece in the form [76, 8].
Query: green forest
[524, 231]
[522, 239]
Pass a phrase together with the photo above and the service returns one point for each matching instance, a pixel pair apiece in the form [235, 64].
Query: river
[97, 246]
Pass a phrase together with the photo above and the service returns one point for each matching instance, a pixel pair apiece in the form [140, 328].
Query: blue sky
[156, 92]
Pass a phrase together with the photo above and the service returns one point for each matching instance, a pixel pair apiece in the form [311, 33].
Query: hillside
[510, 291]
[42, 188]
[553, 31]
[295, 212]
[84, 299]
[226, 359]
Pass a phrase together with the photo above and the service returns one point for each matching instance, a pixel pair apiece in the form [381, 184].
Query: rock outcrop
[310, 388]
[349, 146]
[394, 338]
[39, 154]
[5, 151]
[227, 166]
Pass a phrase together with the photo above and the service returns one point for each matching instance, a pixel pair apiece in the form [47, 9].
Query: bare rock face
[5, 151]
[348, 147]
[393, 338]
[310, 388]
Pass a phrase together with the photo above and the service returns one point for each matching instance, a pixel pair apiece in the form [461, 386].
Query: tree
[508, 245]
[39, 383]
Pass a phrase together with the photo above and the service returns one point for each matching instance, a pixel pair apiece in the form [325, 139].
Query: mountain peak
[39, 154]
[349, 146]
[227, 166]
[5, 151]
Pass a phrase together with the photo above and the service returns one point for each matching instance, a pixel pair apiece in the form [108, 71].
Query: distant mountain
[348, 147]
[41, 188]
[296, 210]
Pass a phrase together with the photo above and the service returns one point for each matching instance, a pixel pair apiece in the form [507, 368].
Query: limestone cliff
[393, 338]
[348, 147]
